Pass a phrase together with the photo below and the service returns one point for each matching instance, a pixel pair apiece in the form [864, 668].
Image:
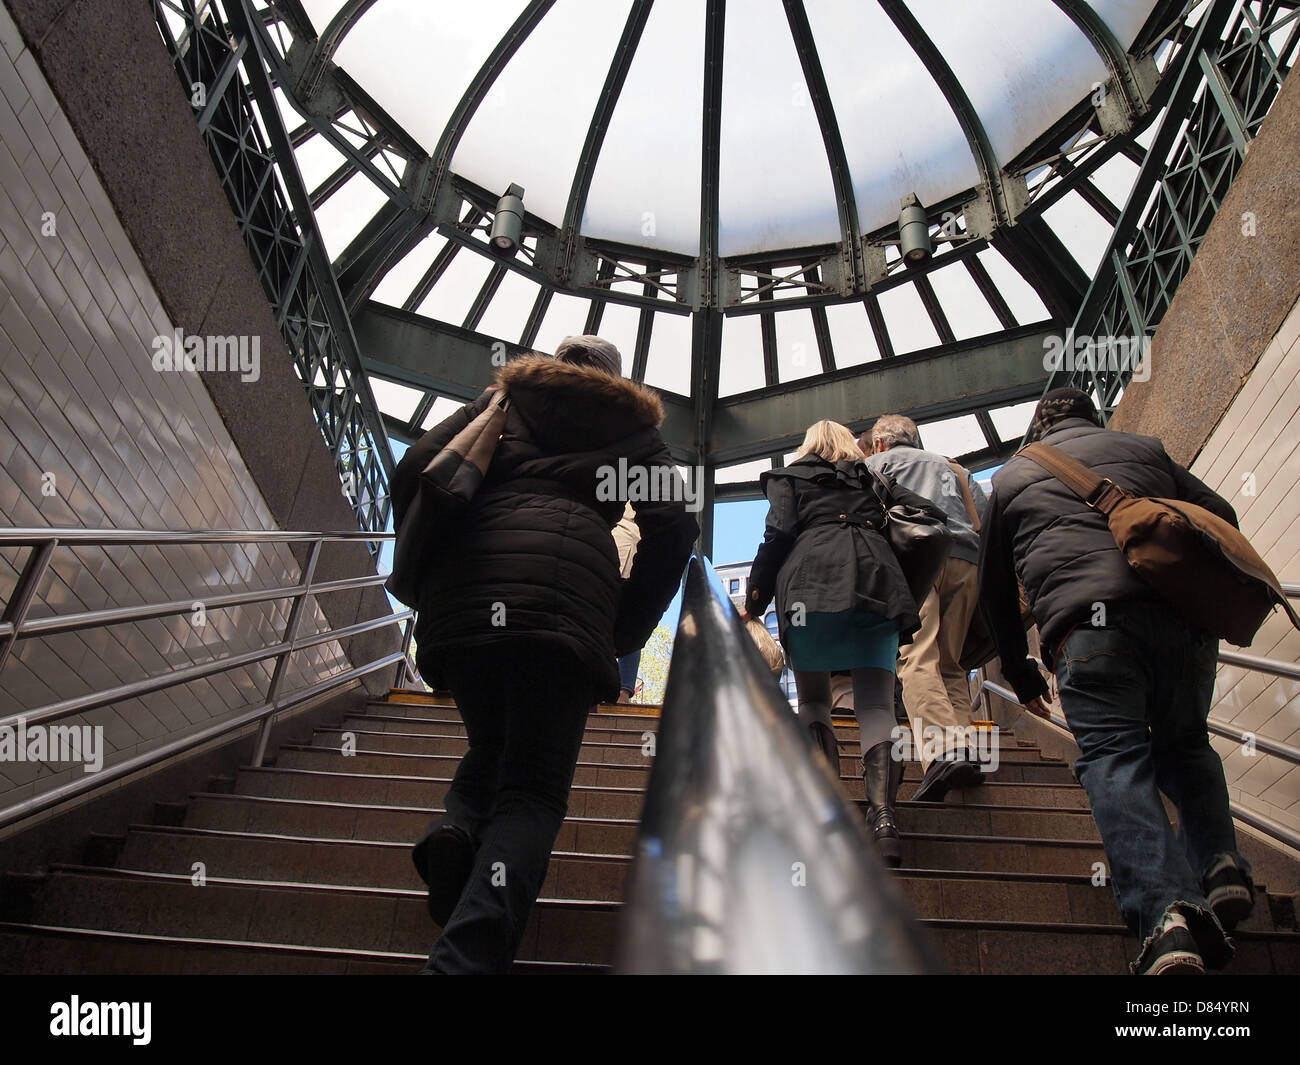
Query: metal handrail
[1268, 825]
[748, 858]
[15, 626]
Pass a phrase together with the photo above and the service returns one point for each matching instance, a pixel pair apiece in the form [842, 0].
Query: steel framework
[1215, 110]
[217, 62]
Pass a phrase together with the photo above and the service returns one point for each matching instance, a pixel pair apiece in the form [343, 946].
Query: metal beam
[976, 135]
[322, 52]
[455, 362]
[1112, 53]
[841, 177]
[942, 382]
[1037, 253]
[605, 103]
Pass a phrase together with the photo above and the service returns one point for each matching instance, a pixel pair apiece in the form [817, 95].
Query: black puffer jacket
[533, 558]
[822, 546]
[1062, 550]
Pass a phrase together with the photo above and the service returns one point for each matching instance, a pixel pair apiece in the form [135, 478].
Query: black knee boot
[824, 737]
[882, 773]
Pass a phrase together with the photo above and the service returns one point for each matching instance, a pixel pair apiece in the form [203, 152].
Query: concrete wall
[1224, 396]
[91, 435]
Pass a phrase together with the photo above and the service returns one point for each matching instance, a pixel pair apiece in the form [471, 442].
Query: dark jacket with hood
[533, 557]
[823, 547]
[1061, 549]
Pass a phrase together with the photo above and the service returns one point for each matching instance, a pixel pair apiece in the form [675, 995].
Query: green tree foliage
[653, 670]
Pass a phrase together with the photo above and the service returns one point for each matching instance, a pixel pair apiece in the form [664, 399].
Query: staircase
[304, 866]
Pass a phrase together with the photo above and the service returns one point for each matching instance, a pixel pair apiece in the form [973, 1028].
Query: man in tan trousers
[936, 689]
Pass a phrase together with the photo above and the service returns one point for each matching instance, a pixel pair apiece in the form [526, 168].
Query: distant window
[735, 586]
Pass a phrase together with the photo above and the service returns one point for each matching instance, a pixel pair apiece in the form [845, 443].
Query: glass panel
[341, 217]
[442, 409]
[1115, 178]
[899, 133]
[909, 326]
[401, 280]
[965, 307]
[566, 316]
[321, 12]
[634, 198]
[668, 365]
[1022, 65]
[851, 337]
[953, 436]
[1082, 230]
[744, 471]
[1018, 293]
[796, 346]
[1124, 17]
[775, 183]
[618, 325]
[508, 310]
[398, 401]
[534, 121]
[742, 355]
[317, 159]
[1011, 422]
[417, 59]
[454, 293]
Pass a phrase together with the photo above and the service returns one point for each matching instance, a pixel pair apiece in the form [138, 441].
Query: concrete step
[47, 950]
[316, 860]
[396, 923]
[1012, 769]
[339, 820]
[585, 801]
[263, 911]
[403, 824]
[607, 746]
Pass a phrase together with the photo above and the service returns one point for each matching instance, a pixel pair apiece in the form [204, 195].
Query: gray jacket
[931, 476]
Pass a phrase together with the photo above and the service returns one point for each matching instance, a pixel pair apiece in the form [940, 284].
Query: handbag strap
[966, 496]
[1100, 493]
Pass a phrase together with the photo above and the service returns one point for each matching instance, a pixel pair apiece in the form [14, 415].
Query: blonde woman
[842, 603]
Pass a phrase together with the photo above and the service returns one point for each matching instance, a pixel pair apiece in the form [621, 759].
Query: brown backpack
[1192, 557]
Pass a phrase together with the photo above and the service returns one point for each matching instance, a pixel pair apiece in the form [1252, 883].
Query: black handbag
[446, 487]
[921, 540]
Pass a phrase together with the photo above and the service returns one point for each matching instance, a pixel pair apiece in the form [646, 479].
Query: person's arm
[977, 494]
[778, 539]
[406, 475]
[668, 532]
[999, 599]
[1192, 489]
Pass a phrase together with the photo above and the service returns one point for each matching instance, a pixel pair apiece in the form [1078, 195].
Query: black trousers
[525, 710]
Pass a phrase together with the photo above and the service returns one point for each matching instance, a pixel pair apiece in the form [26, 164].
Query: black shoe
[824, 737]
[1174, 954]
[1229, 891]
[959, 770]
[881, 775]
[444, 860]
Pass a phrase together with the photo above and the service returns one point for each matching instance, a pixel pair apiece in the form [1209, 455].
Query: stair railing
[748, 857]
[16, 625]
[1256, 663]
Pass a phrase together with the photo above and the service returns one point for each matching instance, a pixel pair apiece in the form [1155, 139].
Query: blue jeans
[627, 667]
[1136, 695]
[525, 712]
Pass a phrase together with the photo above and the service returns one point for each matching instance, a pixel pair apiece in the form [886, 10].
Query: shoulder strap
[966, 496]
[1092, 489]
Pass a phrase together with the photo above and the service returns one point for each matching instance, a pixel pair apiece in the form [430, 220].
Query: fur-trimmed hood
[577, 407]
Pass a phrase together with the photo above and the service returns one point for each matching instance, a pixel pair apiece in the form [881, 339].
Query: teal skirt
[851, 639]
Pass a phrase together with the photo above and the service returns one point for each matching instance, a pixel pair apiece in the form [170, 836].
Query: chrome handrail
[15, 626]
[1268, 825]
[748, 857]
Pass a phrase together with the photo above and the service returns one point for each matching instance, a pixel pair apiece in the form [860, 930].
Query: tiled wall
[1255, 448]
[128, 447]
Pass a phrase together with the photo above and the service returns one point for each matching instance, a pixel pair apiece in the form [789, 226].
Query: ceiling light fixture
[913, 230]
[508, 223]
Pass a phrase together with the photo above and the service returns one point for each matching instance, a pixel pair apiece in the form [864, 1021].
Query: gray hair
[891, 430]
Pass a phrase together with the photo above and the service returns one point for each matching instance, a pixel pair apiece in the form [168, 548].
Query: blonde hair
[832, 441]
